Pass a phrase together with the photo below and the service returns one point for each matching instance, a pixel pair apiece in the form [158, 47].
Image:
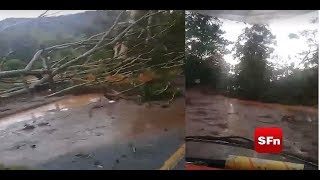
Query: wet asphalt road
[150, 154]
[216, 115]
[119, 135]
[180, 165]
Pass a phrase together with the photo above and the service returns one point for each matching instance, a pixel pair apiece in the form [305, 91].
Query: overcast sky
[33, 13]
[281, 29]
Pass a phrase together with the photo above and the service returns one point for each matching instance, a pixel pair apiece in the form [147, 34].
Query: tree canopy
[253, 73]
[254, 77]
[205, 48]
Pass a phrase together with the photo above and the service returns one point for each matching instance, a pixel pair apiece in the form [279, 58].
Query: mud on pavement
[118, 135]
[217, 115]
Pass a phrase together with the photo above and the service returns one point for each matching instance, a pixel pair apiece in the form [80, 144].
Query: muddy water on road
[61, 105]
[216, 115]
[65, 127]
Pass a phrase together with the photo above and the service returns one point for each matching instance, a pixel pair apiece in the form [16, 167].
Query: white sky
[281, 29]
[33, 13]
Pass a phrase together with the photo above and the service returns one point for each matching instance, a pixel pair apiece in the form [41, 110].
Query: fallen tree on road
[146, 39]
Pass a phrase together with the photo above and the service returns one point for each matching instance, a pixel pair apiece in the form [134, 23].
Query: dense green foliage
[167, 44]
[298, 86]
[13, 64]
[205, 48]
[252, 73]
[254, 76]
[167, 36]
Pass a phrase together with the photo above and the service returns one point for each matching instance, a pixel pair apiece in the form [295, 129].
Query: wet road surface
[118, 135]
[216, 115]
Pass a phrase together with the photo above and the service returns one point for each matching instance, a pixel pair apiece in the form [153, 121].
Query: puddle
[52, 108]
[127, 118]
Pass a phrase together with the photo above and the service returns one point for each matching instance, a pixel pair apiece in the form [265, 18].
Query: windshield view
[245, 72]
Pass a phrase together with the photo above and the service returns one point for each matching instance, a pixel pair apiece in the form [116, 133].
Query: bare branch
[21, 71]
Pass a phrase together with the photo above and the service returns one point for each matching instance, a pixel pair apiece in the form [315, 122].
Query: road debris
[28, 127]
[132, 147]
[265, 116]
[43, 124]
